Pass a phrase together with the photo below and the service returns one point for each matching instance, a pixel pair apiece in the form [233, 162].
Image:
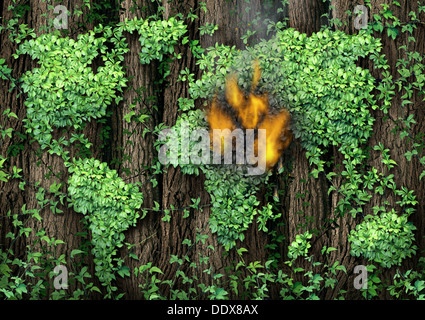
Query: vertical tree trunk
[11, 198]
[233, 21]
[48, 168]
[406, 173]
[305, 205]
[143, 96]
[39, 166]
[306, 15]
[178, 189]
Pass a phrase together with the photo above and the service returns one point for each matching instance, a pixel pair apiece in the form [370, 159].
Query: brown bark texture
[305, 204]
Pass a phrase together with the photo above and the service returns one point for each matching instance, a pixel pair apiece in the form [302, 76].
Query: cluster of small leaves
[310, 282]
[234, 204]
[7, 132]
[13, 285]
[18, 31]
[246, 280]
[180, 144]
[64, 91]
[110, 206]
[385, 238]
[151, 282]
[216, 65]
[299, 247]
[31, 277]
[403, 285]
[411, 283]
[23, 278]
[157, 37]
[327, 94]
[5, 73]
[233, 194]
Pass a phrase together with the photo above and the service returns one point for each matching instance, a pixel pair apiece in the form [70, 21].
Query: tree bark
[12, 199]
[40, 166]
[137, 149]
[178, 189]
[305, 204]
[406, 173]
[306, 15]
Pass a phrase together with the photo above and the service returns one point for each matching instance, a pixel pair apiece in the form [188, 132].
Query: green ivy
[233, 194]
[157, 37]
[110, 206]
[65, 91]
[329, 97]
[316, 78]
[300, 246]
[385, 238]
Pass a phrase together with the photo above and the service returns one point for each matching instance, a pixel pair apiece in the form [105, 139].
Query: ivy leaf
[75, 252]
[392, 32]
[124, 271]
[156, 270]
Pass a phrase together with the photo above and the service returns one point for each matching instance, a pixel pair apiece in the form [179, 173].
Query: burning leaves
[253, 112]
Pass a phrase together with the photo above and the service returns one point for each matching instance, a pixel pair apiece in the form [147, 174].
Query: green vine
[64, 91]
[110, 206]
[327, 94]
[333, 103]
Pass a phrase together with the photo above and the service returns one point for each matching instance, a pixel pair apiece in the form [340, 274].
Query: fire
[218, 119]
[276, 126]
[253, 112]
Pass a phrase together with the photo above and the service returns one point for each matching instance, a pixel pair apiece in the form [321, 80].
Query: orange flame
[277, 126]
[218, 119]
[253, 113]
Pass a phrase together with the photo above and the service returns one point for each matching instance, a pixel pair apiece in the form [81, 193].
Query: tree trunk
[406, 173]
[47, 168]
[178, 189]
[40, 166]
[306, 15]
[144, 96]
[305, 204]
[12, 199]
